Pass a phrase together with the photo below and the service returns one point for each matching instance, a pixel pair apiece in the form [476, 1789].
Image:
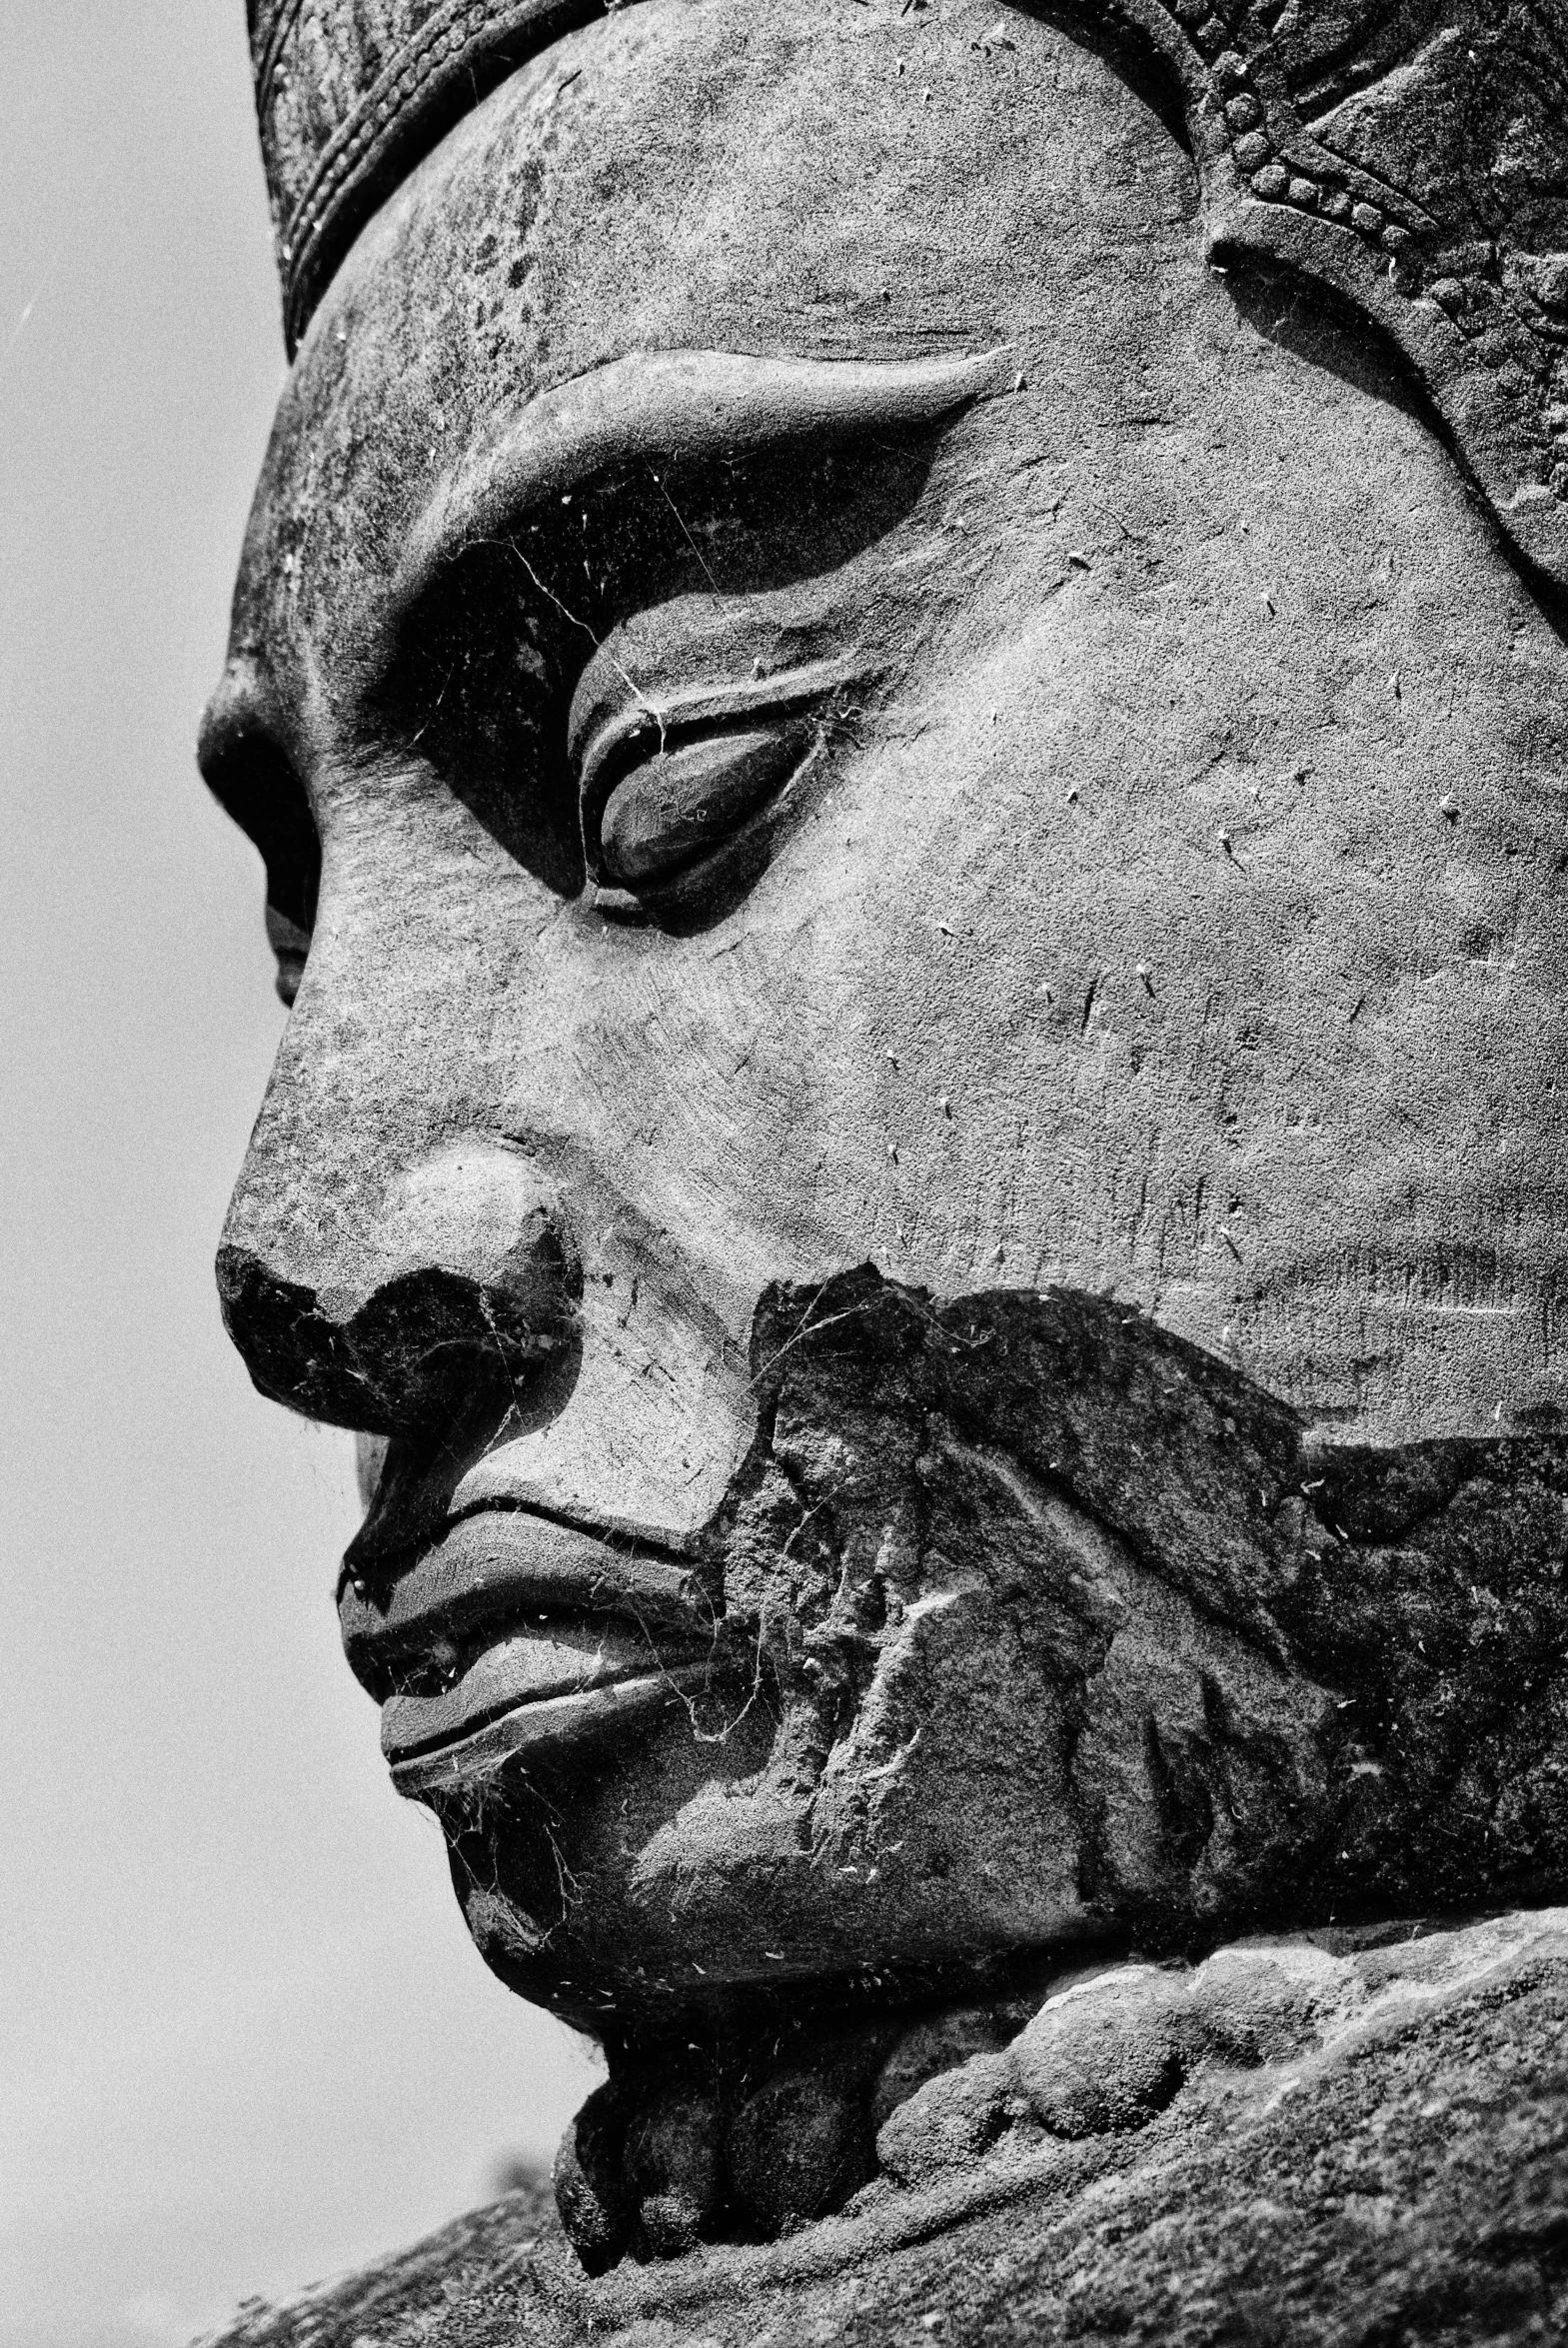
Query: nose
[462, 1279]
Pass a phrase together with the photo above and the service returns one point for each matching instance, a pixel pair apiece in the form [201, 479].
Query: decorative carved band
[351, 93]
[1323, 129]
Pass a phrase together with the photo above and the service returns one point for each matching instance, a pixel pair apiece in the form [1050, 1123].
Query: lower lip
[538, 1729]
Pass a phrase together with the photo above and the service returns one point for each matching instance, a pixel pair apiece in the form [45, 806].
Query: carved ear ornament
[1409, 155]
[1412, 157]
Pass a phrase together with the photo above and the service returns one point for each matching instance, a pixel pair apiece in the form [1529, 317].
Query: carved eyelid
[603, 765]
[787, 691]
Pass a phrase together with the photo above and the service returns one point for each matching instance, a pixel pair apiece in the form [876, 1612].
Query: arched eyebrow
[667, 406]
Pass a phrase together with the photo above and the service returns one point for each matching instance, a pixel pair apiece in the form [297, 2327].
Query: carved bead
[796, 2151]
[951, 2121]
[942, 2043]
[1103, 2057]
[672, 2172]
[590, 2193]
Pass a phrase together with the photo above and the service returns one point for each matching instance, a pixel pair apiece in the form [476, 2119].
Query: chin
[685, 1881]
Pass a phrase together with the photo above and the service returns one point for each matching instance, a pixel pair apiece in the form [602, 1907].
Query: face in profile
[916, 841]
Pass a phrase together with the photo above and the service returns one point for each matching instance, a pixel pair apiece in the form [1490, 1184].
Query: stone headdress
[1409, 155]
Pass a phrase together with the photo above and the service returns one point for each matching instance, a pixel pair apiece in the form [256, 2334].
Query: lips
[510, 1634]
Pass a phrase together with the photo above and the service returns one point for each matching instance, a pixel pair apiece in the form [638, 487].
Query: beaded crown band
[351, 93]
[1411, 155]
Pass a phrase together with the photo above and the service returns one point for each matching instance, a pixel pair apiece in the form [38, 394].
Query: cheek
[820, 1072]
[789, 1102]
[844, 1067]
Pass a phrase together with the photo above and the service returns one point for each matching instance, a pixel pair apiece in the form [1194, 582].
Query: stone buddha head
[898, 668]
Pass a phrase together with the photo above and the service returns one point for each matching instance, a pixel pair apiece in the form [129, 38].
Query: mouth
[509, 1635]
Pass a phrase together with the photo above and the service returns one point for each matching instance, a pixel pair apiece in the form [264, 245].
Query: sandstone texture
[900, 669]
[1385, 2169]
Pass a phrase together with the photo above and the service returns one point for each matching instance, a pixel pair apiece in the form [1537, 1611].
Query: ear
[1412, 159]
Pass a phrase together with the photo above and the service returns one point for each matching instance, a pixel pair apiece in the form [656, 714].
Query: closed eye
[662, 786]
[687, 797]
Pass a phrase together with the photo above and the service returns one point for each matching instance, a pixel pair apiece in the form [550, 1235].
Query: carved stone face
[863, 704]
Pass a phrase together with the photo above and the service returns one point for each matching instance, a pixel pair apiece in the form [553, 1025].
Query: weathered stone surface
[939, 2043]
[1021, 1696]
[1102, 2055]
[1304, 157]
[593, 2190]
[901, 670]
[952, 2120]
[796, 2150]
[673, 2174]
[1397, 2176]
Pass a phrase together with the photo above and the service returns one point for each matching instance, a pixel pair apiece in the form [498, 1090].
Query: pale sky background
[243, 2039]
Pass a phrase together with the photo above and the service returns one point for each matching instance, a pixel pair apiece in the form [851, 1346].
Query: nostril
[432, 1336]
[370, 1457]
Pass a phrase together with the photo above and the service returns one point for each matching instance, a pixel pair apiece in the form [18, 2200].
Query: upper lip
[511, 1623]
[496, 1569]
[461, 1610]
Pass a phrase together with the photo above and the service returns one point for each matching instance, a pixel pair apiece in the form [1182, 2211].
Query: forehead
[814, 180]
